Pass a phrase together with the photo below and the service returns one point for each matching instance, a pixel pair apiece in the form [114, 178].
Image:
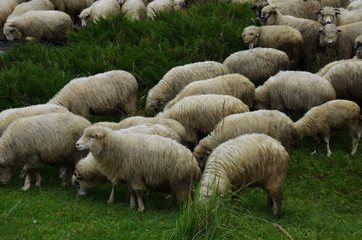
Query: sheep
[7, 7]
[99, 9]
[257, 64]
[87, 175]
[230, 84]
[101, 94]
[134, 9]
[284, 38]
[327, 67]
[9, 115]
[37, 25]
[334, 3]
[176, 79]
[72, 7]
[355, 5]
[199, 114]
[48, 138]
[270, 122]
[308, 28]
[346, 78]
[33, 5]
[357, 49]
[147, 162]
[249, 160]
[163, 5]
[328, 15]
[293, 91]
[341, 39]
[337, 114]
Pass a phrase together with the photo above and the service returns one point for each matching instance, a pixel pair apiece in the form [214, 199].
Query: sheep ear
[257, 35]
[12, 27]
[77, 175]
[319, 11]
[339, 30]
[99, 135]
[274, 10]
[337, 11]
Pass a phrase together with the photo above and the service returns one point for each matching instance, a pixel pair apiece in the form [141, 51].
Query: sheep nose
[329, 43]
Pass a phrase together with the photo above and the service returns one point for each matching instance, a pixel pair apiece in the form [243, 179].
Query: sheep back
[33, 5]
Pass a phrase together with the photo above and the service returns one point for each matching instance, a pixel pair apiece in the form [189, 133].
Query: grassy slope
[322, 196]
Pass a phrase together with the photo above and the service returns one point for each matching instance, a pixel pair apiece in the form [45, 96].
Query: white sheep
[293, 91]
[37, 25]
[176, 79]
[101, 94]
[341, 39]
[7, 7]
[146, 162]
[334, 3]
[357, 49]
[33, 5]
[230, 84]
[249, 160]
[354, 5]
[337, 114]
[163, 5]
[72, 7]
[134, 9]
[257, 64]
[327, 67]
[270, 122]
[99, 9]
[199, 114]
[328, 15]
[47, 138]
[283, 38]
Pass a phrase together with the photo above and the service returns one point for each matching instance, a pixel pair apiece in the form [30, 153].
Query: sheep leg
[277, 203]
[27, 182]
[38, 178]
[326, 140]
[315, 144]
[62, 171]
[67, 179]
[111, 197]
[353, 132]
[141, 207]
[132, 199]
[269, 201]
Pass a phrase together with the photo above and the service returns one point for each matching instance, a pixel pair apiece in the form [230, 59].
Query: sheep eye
[12, 30]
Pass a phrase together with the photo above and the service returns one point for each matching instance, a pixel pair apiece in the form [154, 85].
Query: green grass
[322, 195]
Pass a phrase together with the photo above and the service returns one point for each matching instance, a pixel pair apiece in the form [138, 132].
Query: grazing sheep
[230, 84]
[72, 7]
[147, 162]
[249, 160]
[199, 114]
[346, 78]
[283, 38]
[308, 28]
[48, 138]
[355, 5]
[357, 49]
[294, 91]
[7, 7]
[257, 64]
[328, 15]
[334, 3]
[341, 39]
[327, 67]
[134, 9]
[163, 5]
[37, 25]
[337, 114]
[33, 5]
[101, 94]
[99, 9]
[176, 79]
[270, 122]
[9, 115]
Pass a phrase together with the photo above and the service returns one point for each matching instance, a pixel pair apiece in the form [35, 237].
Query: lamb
[257, 64]
[284, 38]
[101, 94]
[355, 5]
[337, 114]
[176, 79]
[72, 7]
[230, 84]
[346, 80]
[270, 122]
[340, 39]
[148, 162]
[48, 138]
[37, 25]
[294, 91]
[9, 115]
[328, 15]
[134, 9]
[163, 5]
[357, 49]
[249, 160]
[99, 9]
[7, 7]
[33, 5]
[199, 114]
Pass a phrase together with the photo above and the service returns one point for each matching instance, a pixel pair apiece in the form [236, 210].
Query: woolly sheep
[308, 28]
[48, 138]
[357, 49]
[148, 162]
[257, 64]
[327, 67]
[270, 122]
[341, 39]
[283, 38]
[328, 15]
[294, 91]
[9, 115]
[134, 9]
[337, 114]
[104, 93]
[176, 79]
[354, 5]
[334, 3]
[163, 5]
[99, 9]
[72, 7]
[230, 84]
[199, 114]
[7, 7]
[33, 5]
[346, 80]
[249, 160]
[37, 25]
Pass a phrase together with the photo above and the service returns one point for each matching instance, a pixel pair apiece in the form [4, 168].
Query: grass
[322, 195]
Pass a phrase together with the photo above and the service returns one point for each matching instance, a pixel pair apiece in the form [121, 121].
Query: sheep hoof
[329, 154]
[38, 184]
[314, 152]
[110, 201]
[25, 187]
[141, 209]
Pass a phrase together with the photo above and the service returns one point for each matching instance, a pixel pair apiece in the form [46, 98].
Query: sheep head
[250, 36]
[328, 35]
[268, 15]
[328, 15]
[84, 16]
[89, 135]
[12, 31]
